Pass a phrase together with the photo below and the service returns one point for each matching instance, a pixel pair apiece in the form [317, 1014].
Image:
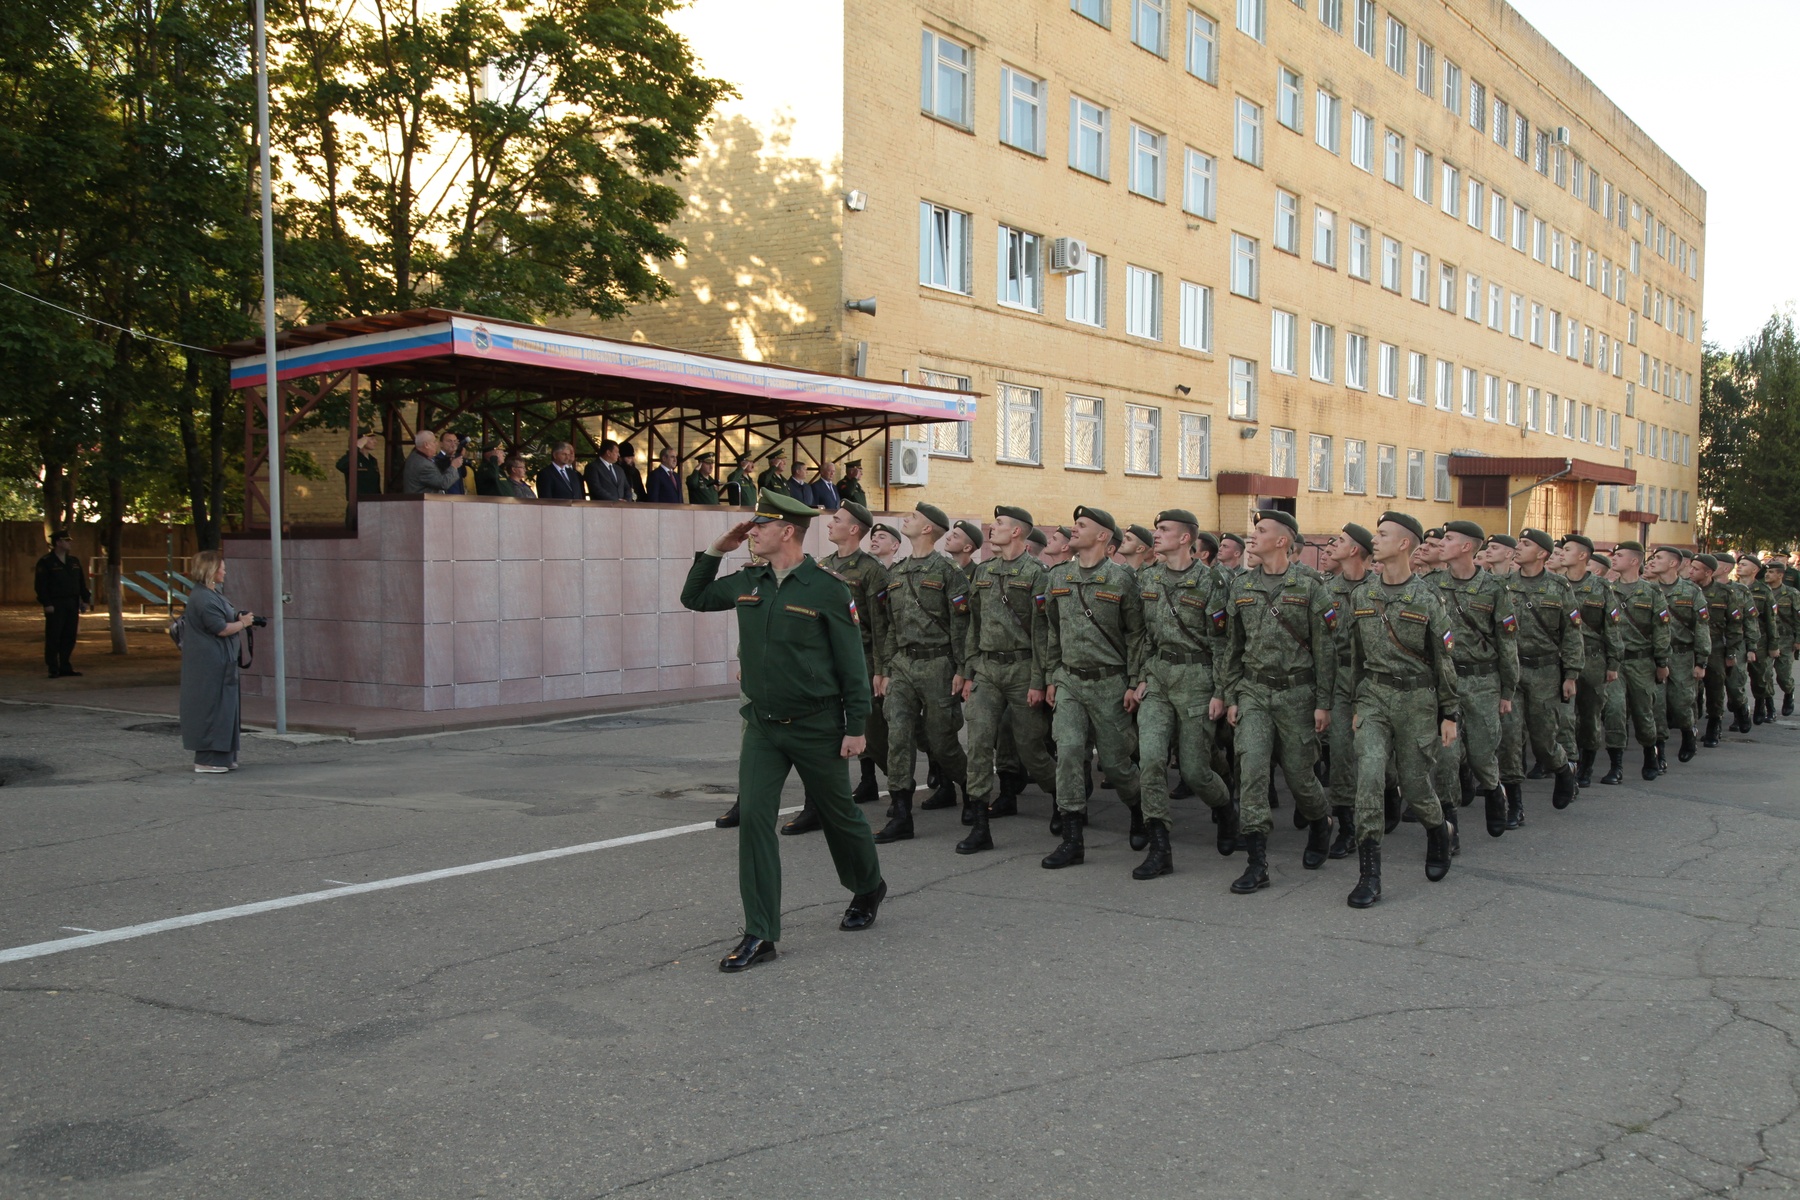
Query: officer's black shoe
[730, 819]
[1437, 852]
[1140, 837]
[1787, 704]
[1651, 770]
[979, 838]
[1687, 751]
[1564, 795]
[1515, 804]
[942, 796]
[1070, 852]
[805, 821]
[1712, 733]
[1318, 844]
[868, 789]
[900, 826]
[861, 913]
[1615, 771]
[749, 952]
[1662, 758]
[1161, 859]
[1181, 791]
[1226, 834]
[1496, 811]
[1390, 800]
[1256, 871]
[1584, 776]
[1368, 881]
[1345, 841]
[1537, 771]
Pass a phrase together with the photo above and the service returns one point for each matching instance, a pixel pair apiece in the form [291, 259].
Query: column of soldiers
[1410, 678]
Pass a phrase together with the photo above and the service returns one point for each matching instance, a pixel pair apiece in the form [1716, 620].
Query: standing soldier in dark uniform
[1184, 618]
[928, 620]
[1690, 644]
[1001, 680]
[1486, 658]
[1350, 552]
[1644, 639]
[1601, 650]
[740, 487]
[775, 479]
[806, 690]
[1551, 656]
[1761, 612]
[1403, 678]
[1726, 622]
[702, 488]
[62, 589]
[852, 488]
[1784, 622]
[1275, 689]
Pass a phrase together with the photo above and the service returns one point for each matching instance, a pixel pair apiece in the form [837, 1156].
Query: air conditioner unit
[909, 464]
[1068, 255]
[1562, 135]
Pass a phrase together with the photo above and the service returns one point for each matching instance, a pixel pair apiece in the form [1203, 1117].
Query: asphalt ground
[1603, 1004]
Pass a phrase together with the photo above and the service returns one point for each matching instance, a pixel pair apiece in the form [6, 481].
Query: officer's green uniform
[852, 490]
[740, 490]
[702, 488]
[867, 580]
[1486, 662]
[1280, 664]
[772, 480]
[1550, 652]
[1644, 645]
[806, 689]
[1726, 619]
[1690, 645]
[1601, 646]
[1005, 656]
[1184, 623]
[1094, 650]
[928, 620]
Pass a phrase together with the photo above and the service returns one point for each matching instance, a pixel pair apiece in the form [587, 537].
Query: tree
[1750, 439]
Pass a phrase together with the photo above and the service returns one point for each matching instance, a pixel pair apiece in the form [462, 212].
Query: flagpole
[272, 406]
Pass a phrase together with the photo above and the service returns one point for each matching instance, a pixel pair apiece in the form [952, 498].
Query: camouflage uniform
[1005, 654]
[1486, 660]
[1784, 620]
[1690, 645]
[1340, 736]
[1726, 618]
[1762, 612]
[1095, 648]
[1644, 648]
[928, 620]
[1184, 618]
[1601, 646]
[1738, 680]
[867, 580]
[1550, 651]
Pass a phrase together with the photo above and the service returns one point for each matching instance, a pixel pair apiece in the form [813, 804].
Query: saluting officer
[1690, 643]
[806, 690]
[1645, 642]
[1486, 658]
[702, 488]
[1551, 657]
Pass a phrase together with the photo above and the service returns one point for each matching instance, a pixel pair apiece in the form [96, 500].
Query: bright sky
[1709, 85]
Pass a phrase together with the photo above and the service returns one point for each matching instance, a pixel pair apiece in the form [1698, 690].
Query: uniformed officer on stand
[806, 689]
[702, 487]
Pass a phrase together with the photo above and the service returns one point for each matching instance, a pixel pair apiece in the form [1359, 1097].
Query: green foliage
[1750, 440]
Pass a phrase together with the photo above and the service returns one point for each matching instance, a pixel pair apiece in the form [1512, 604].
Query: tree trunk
[112, 425]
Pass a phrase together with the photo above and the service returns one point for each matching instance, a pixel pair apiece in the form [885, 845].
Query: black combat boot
[1743, 724]
[805, 821]
[1615, 771]
[730, 818]
[1345, 841]
[1437, 852]
[868, 789]
[942, 796]
[1566, 787]
[1256, 871]
[1467, 778]
[1056, 819]
[1139, 836]
[969, 806]
[1450, 815]
[979, 838]
[1071, 851]
[1368, 882]
[1662, 758]
[1181, 790]
[1226, 832]
[1496, 811]
[1756, 711]
[1161, 859]
[932, 776]
[1318, 844]
[1787, 704]
[1712, 733]
[1006, 804]
[1651, 770]
[1537, 770]
[900, 826]
[1515, 804]
[1390, 800]
[1584, 773]
[1687, 751]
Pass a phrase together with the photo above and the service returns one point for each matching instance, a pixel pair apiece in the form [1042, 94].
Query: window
[1422, 174]
[1356, 361]
[1587, 421]
[1447, 287]
[1396, 47]
[1199, 194]
[1364, 29]
[1287, 221]
[1089, 126]
[1021, 423]
[1146, 173]
[1446, 386]
[1496, 308]
[944, 78]
[1497, 217]
[1393, 160]
[948, 439]
[1203, 47]
[1324, 352]
[1242, 398]
[1362, 140]
[1250, 18]
[1390, 264]
[1537, 324]
[1502, 121]
[1539, 238]
[1360, 237]
[1388, 371]
[1452, 192]
[1331, 15]
[1247, 139]
[1143, 440]
[1477, 204]
[1021, 269]
[944, 248]
[1425, 60]
[1324, 237]
[1150, 25]
[1328, 122]
[1472, 297]
[1022, 111]
[1243, 266]
[1084, 293]
[1356, 466]
[1143, 303]
[1517, 325]
[1512, 404]
[1519, 218]
[1490, 399]
[1283, 451]
[1521, 138]
[1194, 458]
[1478, 109]
[1384, 470]
[1318, 463]
[1415, 474]
[1287, 101]
[1418, 366]
[1087, 433]
[1284, 342]
[1531, 409]
[1421, 277]
[1471, 387]
[1441, 477]
[1196, 316]
[1453, 87]
[1093, 10]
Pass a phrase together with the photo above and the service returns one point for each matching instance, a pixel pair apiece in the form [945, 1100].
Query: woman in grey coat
[210, 704]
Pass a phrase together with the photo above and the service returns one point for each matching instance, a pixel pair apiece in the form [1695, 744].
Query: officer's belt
[1477, 668]
[1539, 660]
[1185, 656]
[924, 653]
[1300, 678]
[791, 717]
[1090, 674]
[1005, 656]
[1412, 679]
[1635, 655]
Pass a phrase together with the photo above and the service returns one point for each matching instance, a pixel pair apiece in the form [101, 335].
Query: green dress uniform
[1551, 652]
[1005, 655]
[1094, 650]
[1690, 645]
[928, 621]
[1184, 624]
[806, 688]
[740, 490]
[852, 490]
[702, 489]
[1726, 620]
[772, 480]
[1485, 656]
[867, 580]
[1644, 644]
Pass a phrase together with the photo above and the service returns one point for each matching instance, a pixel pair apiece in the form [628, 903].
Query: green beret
[1604, 560]
[1360, 536]
[1579, 539]
[1505, 539]
[1708, 561]
[1036, 537]
[1230, 537]
[1538, 537]
[1638, 546]
[1141, 534]
[972, 531]
[1405, 521]
[934, 514]
[778, 506]
[1467, 528]
[863, 516]
[1179, 515]
[1015, 512]
[1435, 532]
[1212, 543]
[1098, 516]
[1280, 518]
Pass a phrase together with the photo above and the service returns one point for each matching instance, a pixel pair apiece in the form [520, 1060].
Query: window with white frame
[1324, 352]
[1287, 221]
[1150, 25]
[1477, 204]
[1199, 192]
[1453, 87]
[1537, 324]
[1022, 104]
[1496, 308]
[1246, 142]
[1362, 140]
[1203, 47]
[1531, 409]
[944, 248]
[1446, 386]
[1385, 482]
[1396, 47]
[1195, 454]
[1471, 388]
[1143, 440]
[1512, 404]
[1422, 175]
[1356, 361]
[1284, 342]
[1502, 121]
[1318, 463]
[1393, 159]
[1284, 454]
[1441, 477]
[1244, 270]
[1387, 372]
[1415, 474]
[1087, 433]
[1147, 152]
[1287, 100]
[1418, 367]
[945, 71]
[1425, 66]
[1331, 15]
[1363, 32]
[1328, 121]
[1472, 297]
[1540, 237]
[1478, 109]
[1360, 251]
[1097, 11]
[1356, 466]
[1490, 399]
[1021, 269]
[1089, 128]
[1452, 199]
[1021, 423]
[1251, 18]
[947, 439]
[1196, 316]
[1447, 287]
[1241, 396]
[1324, 237]
[1143, 303]
[1390, 264]
[1516, 326]
[1421, 277]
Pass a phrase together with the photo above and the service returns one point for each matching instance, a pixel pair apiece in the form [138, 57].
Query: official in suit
[605, 477]
[514, 484]
[450, 449]
[825, 488]
[664, 486]
[560, 480]
[800, 487]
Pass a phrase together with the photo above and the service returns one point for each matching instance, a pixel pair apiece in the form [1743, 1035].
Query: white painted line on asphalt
[127, 932]
[339, 882]
[78, 929]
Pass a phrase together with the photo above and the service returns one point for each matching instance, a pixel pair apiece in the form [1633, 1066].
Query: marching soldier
[1486, 658]
[1551, 658]
[1184, 616]
[1349, 554]
[1095, 650]
[1230, 559]
[1601, 645]
[1403, 681]
[1737, 681]
[702, 488]
[1690, 644]
[1645, 645]
[1784, 622]
[1275, 689]
[1761, 612]
[1726, 618]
